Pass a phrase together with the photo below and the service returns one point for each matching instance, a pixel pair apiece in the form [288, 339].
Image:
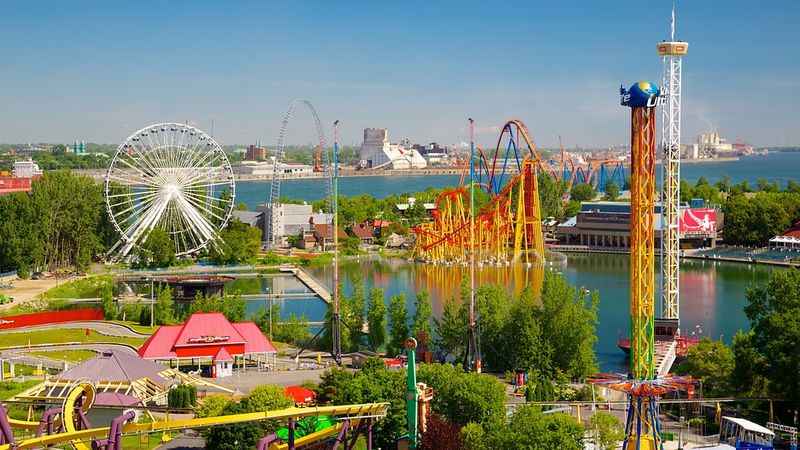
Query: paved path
[25, 291]
[102, 327]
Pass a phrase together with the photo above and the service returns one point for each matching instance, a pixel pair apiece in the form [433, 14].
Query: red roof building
[206, 336]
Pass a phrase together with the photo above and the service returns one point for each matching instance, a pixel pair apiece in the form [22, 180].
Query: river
[777, 166]
[712, 293]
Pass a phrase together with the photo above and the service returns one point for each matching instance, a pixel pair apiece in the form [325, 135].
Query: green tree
[349, 245]
[463, 397]
[235, 436]
[712, 363]
[376, 318]
[551, 193]
[158, 250]
[232, 306]
[793, 187]
[398, 323]
[749, 366]
[374, 383]
[212, 405]
[164, 308]
[293, 330]
[238, 243]
[109, 305]
[528, 428]
[774, 313]
[582, 192]
[421, 324]
[268, 397]
[451, 329]
[355, 317]
[612, 191]
[608, 430]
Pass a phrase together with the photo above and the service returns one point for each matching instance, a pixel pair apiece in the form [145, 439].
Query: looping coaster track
[508, 228]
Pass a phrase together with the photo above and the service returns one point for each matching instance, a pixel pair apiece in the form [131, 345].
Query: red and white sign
[698, 221]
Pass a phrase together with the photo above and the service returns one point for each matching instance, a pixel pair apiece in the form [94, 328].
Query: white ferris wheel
[170, 176]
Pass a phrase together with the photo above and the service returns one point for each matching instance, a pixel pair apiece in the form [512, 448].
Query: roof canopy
[203, 335]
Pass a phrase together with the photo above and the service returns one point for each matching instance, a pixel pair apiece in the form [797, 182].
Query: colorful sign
[698, 222]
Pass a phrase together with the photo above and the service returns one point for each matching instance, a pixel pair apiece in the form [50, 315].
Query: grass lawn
[83, 288]
[73, 356]
[135, 326]
[62, 335]
[138, 442]
[9, 389]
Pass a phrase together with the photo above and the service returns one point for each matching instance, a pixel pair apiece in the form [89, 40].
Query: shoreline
[572, 249]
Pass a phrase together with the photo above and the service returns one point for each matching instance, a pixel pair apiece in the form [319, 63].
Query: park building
[267, 168]
[605, 225]
[377, 152]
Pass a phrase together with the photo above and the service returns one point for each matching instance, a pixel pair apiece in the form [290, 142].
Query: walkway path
[311, 282]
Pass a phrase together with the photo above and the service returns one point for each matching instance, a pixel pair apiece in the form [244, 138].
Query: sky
[99, 71]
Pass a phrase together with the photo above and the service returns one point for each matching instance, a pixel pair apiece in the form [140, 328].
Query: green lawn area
[62, 335]
[9, 389]
[83, 288]
[73, 356]
[136, 442]
[135, 326]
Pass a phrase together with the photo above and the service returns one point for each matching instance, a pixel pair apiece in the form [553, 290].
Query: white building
[290, 219]
[264, 169]
[26, 169]
[377, 151]
[713, 144]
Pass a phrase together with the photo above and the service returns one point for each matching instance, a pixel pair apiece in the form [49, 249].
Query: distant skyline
[98, 71]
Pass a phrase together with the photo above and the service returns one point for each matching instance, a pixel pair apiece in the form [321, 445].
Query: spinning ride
[169, 176]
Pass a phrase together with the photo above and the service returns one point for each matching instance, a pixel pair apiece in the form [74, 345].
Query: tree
[712, 363]
[451, 329]
[355, 317]
[376, 318]
[463, 397]
[293, 330]
[268, 397]
[582, 192]
[237, 243]
[441, 435]
[421, 324]
[164, 313]
[749, 366]
[233, 306]
[235, 436]
[608, 429]
[109, 305]
[349, 245]
[612, 191]
[528, 428]
[374, 383]
[774, 313]
[793, 187]
[398, 322]
[550, 196]
[158, 250]
[212, 405]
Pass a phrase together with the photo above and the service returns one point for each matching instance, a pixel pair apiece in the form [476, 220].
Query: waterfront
[712, 293]
[777, 166]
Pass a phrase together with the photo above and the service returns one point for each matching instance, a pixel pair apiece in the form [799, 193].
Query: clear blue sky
[100, 70]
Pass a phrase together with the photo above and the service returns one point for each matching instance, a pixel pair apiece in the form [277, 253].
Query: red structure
[13, 184]
[48, 317]
[208, 336]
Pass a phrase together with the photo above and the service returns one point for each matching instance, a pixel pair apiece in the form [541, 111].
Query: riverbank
[689, 254]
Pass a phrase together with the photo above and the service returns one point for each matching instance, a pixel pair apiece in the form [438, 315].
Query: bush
[182, 396]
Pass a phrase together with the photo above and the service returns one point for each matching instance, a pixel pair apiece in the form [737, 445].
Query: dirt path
[24, 291]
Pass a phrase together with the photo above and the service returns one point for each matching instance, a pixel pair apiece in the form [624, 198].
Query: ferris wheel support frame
[171, 168]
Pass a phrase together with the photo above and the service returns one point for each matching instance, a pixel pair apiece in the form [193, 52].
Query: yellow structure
[507, 229]
[82, 397]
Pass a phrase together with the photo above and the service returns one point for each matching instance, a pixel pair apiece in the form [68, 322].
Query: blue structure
[639, 95]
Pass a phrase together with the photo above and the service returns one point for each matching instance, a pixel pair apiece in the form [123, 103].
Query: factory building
[377, 152]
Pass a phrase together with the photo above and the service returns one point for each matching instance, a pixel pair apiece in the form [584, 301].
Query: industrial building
[377, 152]
[255, 153]
[266, 169]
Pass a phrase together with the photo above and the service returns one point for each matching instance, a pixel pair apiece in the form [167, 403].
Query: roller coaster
[510, 219]
[69, 425]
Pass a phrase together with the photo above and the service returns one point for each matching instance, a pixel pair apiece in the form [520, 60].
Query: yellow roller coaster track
[83, 395]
